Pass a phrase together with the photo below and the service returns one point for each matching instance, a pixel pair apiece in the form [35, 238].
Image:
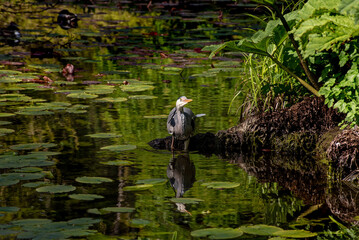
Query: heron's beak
[187, 100]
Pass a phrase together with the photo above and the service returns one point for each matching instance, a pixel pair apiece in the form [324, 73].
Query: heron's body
[181, 122]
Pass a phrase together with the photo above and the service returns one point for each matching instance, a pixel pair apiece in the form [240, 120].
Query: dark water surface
[156, 49]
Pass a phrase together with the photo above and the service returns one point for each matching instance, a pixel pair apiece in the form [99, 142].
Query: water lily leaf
[29, 169]
[142, 97]
[151, 181]
[136, 88]
[56, 189]
[186, 200]
[118, 209]
[6, 114]
[35, 113]
[217, 233]
[156, 116]
[31, 146]
[111, 99]
[4, 131]
[82, 95]
[31, 222]
[104, 135]
[9, 209]
[35, 184]
[117, 163]
[219, 185]
[83, 221]
[137, 222]
[22, 176]
[261, 229]
[93, 180]
[295, 234]
[85, 197]
[5, 123]
[138, 187]
[119, 148]
[94, 211]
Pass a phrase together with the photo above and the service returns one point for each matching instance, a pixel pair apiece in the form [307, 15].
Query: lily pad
[138, 187]
[217, 233]
[186, 200]
[118, 209]
[220, 185]
[85, 197]
[119, 148]
[142, 97]
[4, 131]
[111, 99]
[35, 184]
[156, 116]
[6, 114]
[31, 146]
[261, 229]
[93, 180]
[295, 234]
[117, 163]
[9, 209]
[56, 189]
[5, 123]
[151, 181]
[136, 88]
[104, 135]
[82, 95]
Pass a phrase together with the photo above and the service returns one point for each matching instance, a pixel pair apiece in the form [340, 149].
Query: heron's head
[182, 101]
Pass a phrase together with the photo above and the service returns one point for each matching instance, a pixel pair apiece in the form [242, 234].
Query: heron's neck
[180, 109]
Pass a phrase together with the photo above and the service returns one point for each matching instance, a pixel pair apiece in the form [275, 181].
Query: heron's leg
[172, 147]
[186, 144]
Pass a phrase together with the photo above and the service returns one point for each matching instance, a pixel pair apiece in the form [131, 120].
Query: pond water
[74, 155]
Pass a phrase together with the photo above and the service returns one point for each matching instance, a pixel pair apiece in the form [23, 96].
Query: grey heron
[180, 122]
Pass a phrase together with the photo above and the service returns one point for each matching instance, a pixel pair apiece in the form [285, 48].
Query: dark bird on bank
[11, 34]
[67, 20]
[181, 122]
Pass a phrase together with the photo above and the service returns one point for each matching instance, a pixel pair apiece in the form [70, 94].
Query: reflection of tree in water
[343, 201]
[181, 173]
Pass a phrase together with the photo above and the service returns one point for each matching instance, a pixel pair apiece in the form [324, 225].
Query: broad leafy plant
[321, 49]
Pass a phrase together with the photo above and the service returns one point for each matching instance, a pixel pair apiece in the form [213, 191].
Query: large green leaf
[350, 7]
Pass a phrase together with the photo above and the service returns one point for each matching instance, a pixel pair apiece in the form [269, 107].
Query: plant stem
[304, 83]
[303, 62]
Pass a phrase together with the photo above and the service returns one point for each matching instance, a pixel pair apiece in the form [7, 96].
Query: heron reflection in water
[181, 122]
[181, 173]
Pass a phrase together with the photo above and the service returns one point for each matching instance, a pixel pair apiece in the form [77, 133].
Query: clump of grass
[264, 87]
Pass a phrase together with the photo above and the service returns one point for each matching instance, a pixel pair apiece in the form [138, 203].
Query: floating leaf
[29, 169]
[4, 131]
[118, 209]
[9, 209]
[35, 184]
[117, 163]
[82, 95]
[111, 99]
[151, 181]
[119, 148]
[138, 187]
[83, 221]
[261, 229]
[6, 114]
[217, 233]
[94, 211]
[144, 97]
[85, 197]
[295, 234]
[93, 180]
[104, 135]
[5, 123]
[31, 146]
[219, 185]
[186, 200]
[35, 113]
[56, 189]
[139, 222]
[31, 222]
[156, 116]
[136, 88]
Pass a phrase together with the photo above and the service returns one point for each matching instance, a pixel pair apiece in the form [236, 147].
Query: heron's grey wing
[171, 121]
[192, 117]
